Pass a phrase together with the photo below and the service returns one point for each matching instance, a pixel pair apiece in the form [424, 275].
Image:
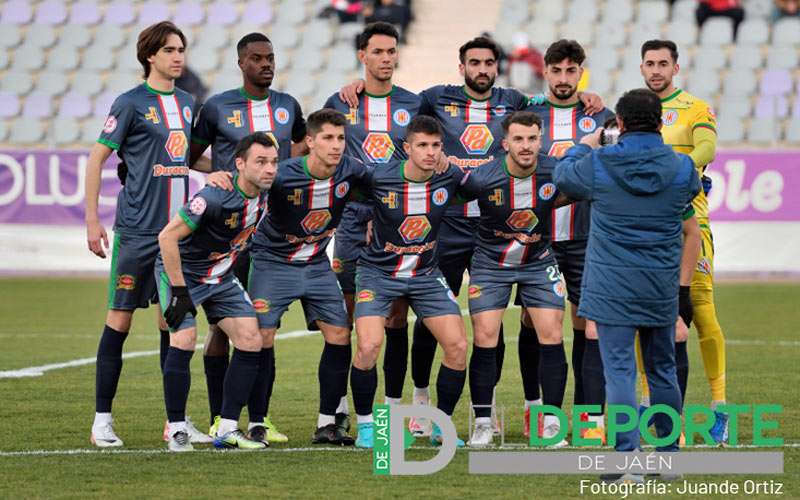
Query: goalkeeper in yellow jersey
[689, 126]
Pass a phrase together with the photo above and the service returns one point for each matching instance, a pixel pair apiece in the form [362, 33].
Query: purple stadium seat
[257, 12]
[119, 13]
[51, 12]
[75, 105]
[37, 105]
[796, 107]
[772, 106]
[188, 13]
[222, 13]
[776, 82]
[9, 104]
[85, 13]
[17, 12]
[153, 12]
[103, 102]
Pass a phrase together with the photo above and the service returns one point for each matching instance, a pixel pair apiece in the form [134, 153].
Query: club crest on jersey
[365, 296]
[337, 265]
[316, 220]
[669, 117]
[235, 119]
[547, 191]
[198, 205]
[522, 220]
[390, 200]
[261, 305]
[559, 288]
[499, 110]
[187, 114]
[414, 229]
[704, 266]
[282, 116]
[176, 145]
[110, 125]
[474, 291]
[378, 147]
[440, 196]
[559, 148]
[152, 115]
[476, 139]
[126, 282]
[587, 124]
[401, 117]
[342, 189]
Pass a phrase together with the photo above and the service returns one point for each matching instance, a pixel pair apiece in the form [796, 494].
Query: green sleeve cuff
[689, 213]
[709, 126]
[189, 222]
[106, 142]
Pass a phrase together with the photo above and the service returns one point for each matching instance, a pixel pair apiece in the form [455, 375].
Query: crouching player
[199, 247]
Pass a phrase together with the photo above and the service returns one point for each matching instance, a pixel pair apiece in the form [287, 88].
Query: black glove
[179, 305]
[122, 172]
[706, 182]
[685, 310]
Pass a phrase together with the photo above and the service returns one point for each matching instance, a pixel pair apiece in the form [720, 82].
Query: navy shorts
[538, 285]
[571, 257]
[275, 285]
[455, 247]
[132, 284]
[346, 274]
[226, 299]
[428, 294]
[241, 268]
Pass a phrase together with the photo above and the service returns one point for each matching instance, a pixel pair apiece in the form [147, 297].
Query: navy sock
[109, 368]
[528, 348]
[482, 370]
[578, 348]
[334, 365]
[163, 348]
[594, 383]
[177, 381]
[215, 368]
[257, 402]
[423, 350]
[682, 365]
[395, 361]
[271, 379]
[553, 373]
[239, 380]
[449, 386]
[363, 383]
[500, 355]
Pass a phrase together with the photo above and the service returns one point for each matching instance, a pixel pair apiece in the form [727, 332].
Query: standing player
[223, 120]
[565, 120]
[400, 262]
[689, 126]
[375, 134]
[199, 247]
[149, 126]
[289, 260]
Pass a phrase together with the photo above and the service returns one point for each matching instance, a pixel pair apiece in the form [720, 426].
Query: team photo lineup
[423, 192]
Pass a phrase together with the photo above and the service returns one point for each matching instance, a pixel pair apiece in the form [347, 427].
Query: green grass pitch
[48, 321]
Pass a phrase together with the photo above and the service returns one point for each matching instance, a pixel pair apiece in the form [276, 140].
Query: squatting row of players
[418, 188]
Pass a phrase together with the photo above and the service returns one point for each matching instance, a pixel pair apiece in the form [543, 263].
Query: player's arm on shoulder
[704, 136]
[469, 185]
[574, 173]
[592, 102]
[349, 93]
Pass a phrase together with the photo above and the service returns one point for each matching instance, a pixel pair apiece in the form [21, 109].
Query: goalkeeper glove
[179, 305]
[685, 310]
[706, 181]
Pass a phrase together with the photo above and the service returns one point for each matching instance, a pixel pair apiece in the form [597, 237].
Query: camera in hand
[610, 135]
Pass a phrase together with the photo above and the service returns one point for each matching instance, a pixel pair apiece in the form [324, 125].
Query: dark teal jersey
[226, 118]
[150, 130]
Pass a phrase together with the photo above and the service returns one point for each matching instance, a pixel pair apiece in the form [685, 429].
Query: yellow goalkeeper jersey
[682, 114]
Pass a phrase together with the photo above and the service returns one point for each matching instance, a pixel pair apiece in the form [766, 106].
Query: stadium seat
[10, 36]
[307, 59]
[16, 12]
[345, 59]
[617, 11]
[37, 105]
[51, 12]
[547, 10]
[740, 83]
[641, 32]
[120, 13]
[90, 130]
[730, 130]
[782, 57]
[600, 81]
[347, 32]
[703, 83]
[283, 37]
[792, 130]
[225, 81]
[603, 59]
[126, 58]
[758, 8]
[735, 107]
[746, 57]
[63, 58]
[796, 105]
[541, 34]
[40, 35]
[753, 32]
[580, 31]
[582, 11]
[109, 36]
[75, 105]
[3, 131]
[87, 82]
[102, 103]
[257, 12]
[85, 13]
[203, 59]
[153, 11]
[214, 37]
[28, 58]
[222, 13]
[776, 82]
[608, 34]
[18, 82]
[290, 13]
[716, 31]
[329, 83]
[3, 59]
[710, 58]
[299, 84]
[786, 31]
[772, 107]
[64, 130]
[683, 11]
[98, 57]
[189, 13]
[763, 131]
[652, 11]
[9, 104]
[682, 33]
[27, 131]
[75, 36]
[629, 78]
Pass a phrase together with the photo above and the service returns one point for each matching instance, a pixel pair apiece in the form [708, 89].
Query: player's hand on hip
[97, 238]
[180, 303]
[592, 102]
[593, 140]
[222, 180]
[349, 93]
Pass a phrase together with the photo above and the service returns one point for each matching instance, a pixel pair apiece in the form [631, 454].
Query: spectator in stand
[347, 11]
[786, 8]
[389, 11]
[523, 52]
[725, 8]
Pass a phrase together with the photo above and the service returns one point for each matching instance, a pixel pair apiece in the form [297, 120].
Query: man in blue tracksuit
[640, 193]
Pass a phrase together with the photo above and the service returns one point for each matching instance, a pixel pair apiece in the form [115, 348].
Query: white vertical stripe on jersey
[172, 111]
[321, 193]
[562, 123]
[250, 212]
[522, 192]
[477, 112]
[177, 194]
[514, 254]
[406, 266]
[417, 198]
[562, 223]
[260, 115]
[376, 110]
[304, 252]
[217, 270]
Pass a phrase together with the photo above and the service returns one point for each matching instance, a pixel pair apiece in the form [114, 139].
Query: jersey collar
[154, 91]
[239, 190]
[469, 97]
[244, 94]
[508, 173]
[672, 96]
[403, 174]
[381, 95]
[563, 106]
[304, 161]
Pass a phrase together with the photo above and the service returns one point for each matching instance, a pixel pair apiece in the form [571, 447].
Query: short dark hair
[377, 28]
[320, 117]
[640, 110]
[526, 118]
[481, 42]
[564, 49]
[422, 124]
[244, 145]
[661, 44]
[251, 38]
[152, 38]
